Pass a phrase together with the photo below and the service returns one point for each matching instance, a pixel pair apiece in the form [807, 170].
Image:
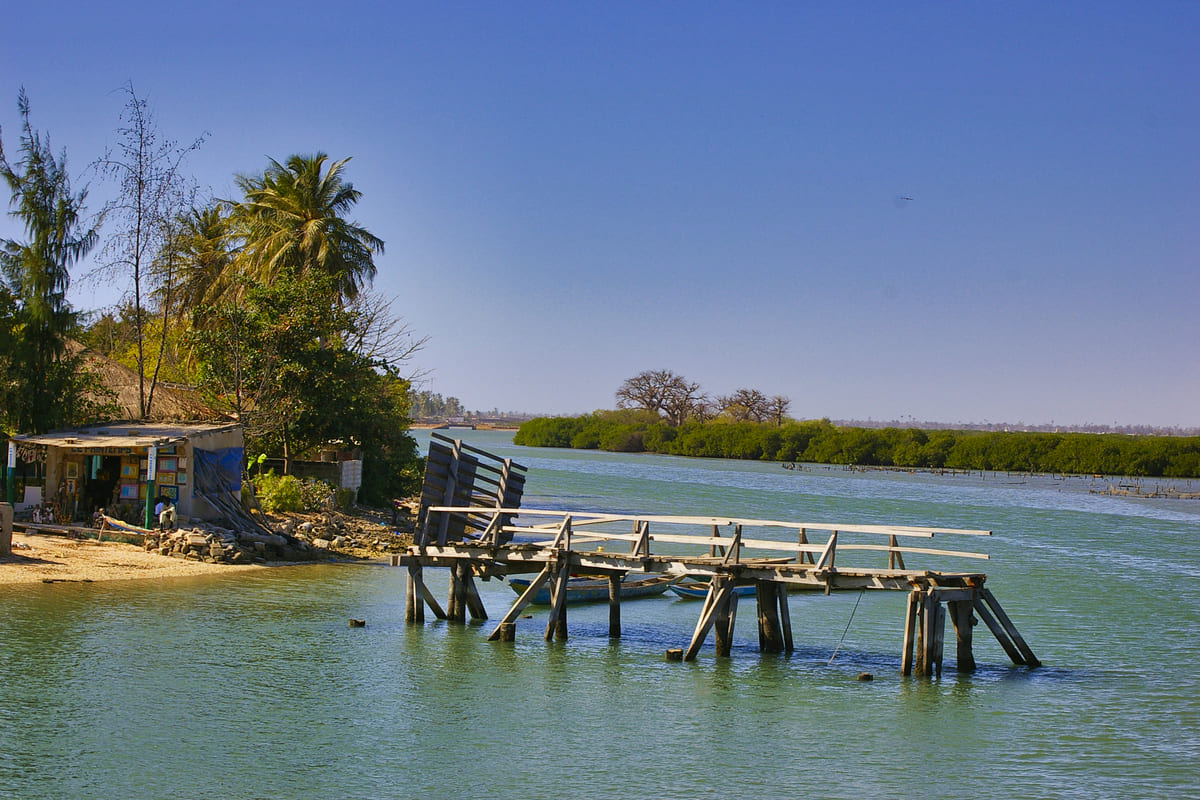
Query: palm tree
[202, 259]
[293, 219]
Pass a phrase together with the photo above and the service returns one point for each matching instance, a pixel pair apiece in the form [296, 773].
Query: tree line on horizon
[262, 301]
[661, 412]
[822, 442]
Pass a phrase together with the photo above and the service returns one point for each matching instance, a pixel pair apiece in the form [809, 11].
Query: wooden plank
[828, 552]
[704, 623]
[426, 595]
[471, 595]
[734, 552]
[523, 600]
[1029, 658]
[882, 530]
[1001, 636]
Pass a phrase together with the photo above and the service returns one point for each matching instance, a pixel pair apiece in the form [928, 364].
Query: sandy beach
[41, 558]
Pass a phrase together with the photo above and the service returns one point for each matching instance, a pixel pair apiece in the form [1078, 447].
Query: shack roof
[125, 434]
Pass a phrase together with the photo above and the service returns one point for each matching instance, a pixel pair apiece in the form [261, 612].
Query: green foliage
[343, 499]
[429, 406]
[823, 443]
[287, 493]
[42, 383]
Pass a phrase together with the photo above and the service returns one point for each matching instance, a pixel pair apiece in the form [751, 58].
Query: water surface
[255, 686]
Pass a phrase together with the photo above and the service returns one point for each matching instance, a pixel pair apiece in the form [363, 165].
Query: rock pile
[292, 539]
[214, 544]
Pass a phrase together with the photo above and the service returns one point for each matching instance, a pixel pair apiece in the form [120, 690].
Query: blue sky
[573, 193]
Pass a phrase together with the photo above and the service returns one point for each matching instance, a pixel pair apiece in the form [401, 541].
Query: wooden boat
[698, 590]
[120, 530]
[692, 589]
[594, 590]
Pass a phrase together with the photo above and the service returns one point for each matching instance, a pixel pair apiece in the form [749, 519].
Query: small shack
[67, 475]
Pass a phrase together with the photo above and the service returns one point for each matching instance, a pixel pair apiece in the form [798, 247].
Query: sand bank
[41, 558]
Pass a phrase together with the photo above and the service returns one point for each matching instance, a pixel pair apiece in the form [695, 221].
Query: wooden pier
[470, 524]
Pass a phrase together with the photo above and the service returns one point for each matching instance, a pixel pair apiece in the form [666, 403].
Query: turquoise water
[255, 687]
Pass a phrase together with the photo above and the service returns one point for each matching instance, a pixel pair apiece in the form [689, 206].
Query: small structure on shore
[468, 523]
[69, 474]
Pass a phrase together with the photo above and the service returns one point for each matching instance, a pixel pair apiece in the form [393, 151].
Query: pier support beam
[507, 629]
[1003, 629]
[773, 635]
[962, 617]
[556, 625]
[719, 611]
[614, 606]
[417, 594]
[724, 620]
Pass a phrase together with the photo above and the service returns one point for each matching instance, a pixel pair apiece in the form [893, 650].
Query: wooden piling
[725, 616]
[456, 599]
[471, 594]
[770, 632]
[963, 620]
[614, 606]
[556, 625]
[911, 627]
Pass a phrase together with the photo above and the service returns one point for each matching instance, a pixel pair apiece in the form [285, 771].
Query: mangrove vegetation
[821, 442]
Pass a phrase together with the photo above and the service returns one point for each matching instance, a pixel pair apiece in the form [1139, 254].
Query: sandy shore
[41, 558]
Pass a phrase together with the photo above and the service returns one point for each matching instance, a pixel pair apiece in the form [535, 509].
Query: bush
[287, 493]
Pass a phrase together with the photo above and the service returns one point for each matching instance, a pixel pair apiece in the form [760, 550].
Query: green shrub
[287, 493]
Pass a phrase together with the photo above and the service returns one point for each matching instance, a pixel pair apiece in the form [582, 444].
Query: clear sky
[952, 212]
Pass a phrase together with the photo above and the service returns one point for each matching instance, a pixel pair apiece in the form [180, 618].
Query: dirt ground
[45, 558]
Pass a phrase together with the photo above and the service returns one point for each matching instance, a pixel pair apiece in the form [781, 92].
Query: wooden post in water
[963, 619]
[456, 601]
[471, 594]
[614, 606]
[770, 632]
[420, 595]
[556, 625]
[931, 618]
[724, 615]
[911, 627]
[785, 616]
[414, 606]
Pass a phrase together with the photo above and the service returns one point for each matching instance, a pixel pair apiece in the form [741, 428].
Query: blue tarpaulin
[217, 471]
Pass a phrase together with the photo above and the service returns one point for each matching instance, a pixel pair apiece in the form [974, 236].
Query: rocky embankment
[290, 538]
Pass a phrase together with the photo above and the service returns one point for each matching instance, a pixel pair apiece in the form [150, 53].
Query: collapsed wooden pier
[472, 524]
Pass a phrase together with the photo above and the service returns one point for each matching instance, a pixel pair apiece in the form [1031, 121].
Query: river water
[256, 687]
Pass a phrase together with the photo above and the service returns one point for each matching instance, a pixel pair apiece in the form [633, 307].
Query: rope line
[861, 592]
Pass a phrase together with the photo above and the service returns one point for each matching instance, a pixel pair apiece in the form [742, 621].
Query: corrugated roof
[124, 434]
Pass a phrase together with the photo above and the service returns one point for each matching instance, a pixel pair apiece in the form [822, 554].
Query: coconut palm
[293, 218]
[202, 259]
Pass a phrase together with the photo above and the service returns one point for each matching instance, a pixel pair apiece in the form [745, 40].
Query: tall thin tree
[44, 376]
[153, 194]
